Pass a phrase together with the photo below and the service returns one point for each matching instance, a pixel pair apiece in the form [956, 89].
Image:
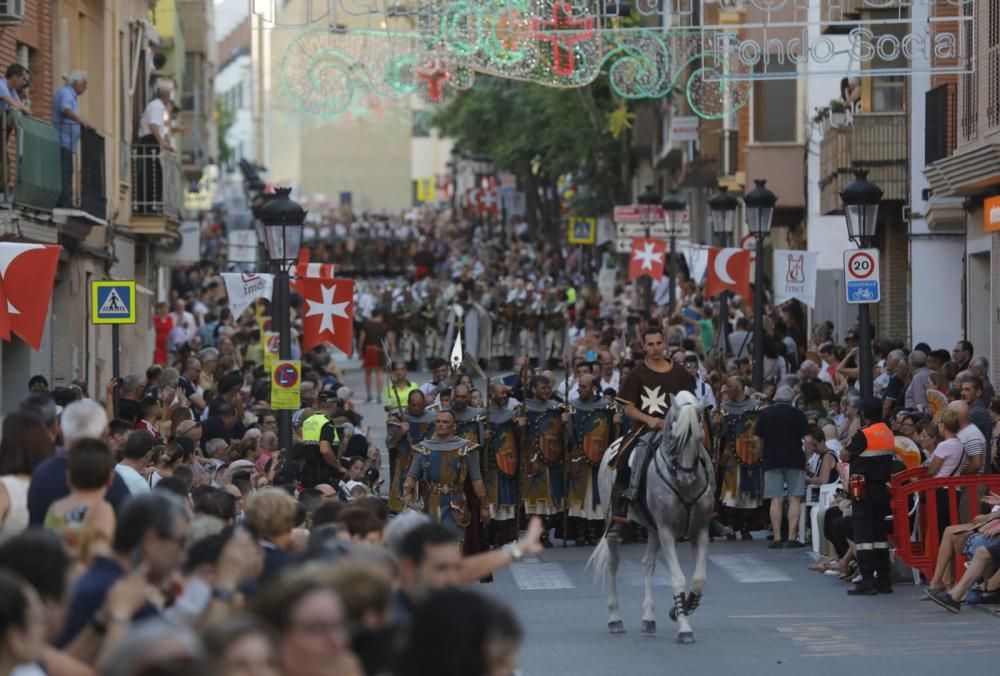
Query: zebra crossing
[536, 574]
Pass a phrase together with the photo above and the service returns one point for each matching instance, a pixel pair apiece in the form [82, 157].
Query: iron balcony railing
[156, 182]
[31, 151]
[85, 172]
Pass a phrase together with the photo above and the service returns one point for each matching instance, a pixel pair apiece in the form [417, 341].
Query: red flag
[28, 272]
[647, 258]
[328, 313]
[4, 316]
[728, 270]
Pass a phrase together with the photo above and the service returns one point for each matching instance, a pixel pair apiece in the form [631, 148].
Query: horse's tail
[600, 561]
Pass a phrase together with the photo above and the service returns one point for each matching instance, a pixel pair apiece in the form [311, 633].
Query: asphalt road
[763, 612]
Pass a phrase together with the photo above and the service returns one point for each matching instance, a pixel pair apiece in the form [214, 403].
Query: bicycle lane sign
[861, 276]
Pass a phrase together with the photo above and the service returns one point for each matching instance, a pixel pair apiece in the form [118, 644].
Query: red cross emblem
[435, 74]
[563, 32]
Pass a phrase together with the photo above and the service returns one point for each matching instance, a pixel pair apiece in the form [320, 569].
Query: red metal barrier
[921, 552]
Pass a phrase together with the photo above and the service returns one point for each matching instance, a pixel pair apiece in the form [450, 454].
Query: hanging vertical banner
[795, 276]
[696, 257]
[243, 288]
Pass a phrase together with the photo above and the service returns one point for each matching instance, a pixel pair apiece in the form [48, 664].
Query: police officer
[870, 454]
[321, 463]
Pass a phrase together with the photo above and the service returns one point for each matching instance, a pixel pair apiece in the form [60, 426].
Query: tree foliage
[224, 118]
[541, 133]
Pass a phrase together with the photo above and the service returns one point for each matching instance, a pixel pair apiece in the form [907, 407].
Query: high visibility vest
[879, 441]
[312, 427]
[398, 396]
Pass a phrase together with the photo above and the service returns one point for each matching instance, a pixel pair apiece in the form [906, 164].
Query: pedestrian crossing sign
[112, 302]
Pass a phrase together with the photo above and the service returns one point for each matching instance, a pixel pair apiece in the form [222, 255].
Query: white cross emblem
[648, 256]
[653, 400]
[327, 308]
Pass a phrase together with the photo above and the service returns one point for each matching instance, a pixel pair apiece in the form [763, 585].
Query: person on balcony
[67, 120]
[153, 139]
[14, 79]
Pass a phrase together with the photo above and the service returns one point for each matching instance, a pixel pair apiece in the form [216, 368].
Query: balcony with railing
[873, 141]
[82, 174]
[31, 152]
[156, 191]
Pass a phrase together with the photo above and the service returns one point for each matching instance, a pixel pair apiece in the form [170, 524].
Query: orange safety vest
[879, 441]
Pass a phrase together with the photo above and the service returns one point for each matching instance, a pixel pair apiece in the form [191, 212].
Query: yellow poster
[425, 189]
[271, 349]
[286, 385]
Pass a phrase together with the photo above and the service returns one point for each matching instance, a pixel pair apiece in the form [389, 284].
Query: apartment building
[109, 230]
[963, 173]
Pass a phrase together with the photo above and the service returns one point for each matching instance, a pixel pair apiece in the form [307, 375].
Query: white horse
[680, 499]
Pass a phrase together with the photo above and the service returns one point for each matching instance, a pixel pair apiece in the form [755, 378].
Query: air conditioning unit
[11, 12]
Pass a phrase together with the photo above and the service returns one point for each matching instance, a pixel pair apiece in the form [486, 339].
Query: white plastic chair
[826, 493]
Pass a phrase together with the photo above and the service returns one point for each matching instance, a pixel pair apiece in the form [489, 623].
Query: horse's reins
[676, 467]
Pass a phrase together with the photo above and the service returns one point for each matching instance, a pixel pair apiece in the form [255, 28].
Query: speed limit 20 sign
[861, 276]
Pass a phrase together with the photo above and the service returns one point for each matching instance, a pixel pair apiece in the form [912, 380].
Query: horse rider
[645, 395]
[870, 454]
[440, 467]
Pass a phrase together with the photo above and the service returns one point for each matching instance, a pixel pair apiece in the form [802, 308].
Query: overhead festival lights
[434, 48]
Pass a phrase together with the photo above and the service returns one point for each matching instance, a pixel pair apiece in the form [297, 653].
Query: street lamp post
[722, 207]
[861, 199]
[456, 155]
[760, 210]
[281, 222]
[649, 200]
[674, 207]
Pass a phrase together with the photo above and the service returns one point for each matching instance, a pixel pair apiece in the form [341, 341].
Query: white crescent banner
[243, 288]
[795, 276]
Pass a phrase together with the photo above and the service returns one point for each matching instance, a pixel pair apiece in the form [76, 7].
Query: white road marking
[530, 576]
[748, 568]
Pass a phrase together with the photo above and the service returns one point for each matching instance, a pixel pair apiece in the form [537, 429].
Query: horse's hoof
[685, 637]
[616, 627]
[673, 614]
[649, 627]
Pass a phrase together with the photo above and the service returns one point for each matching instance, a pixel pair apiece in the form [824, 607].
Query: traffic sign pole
[863, 288]
[116, 365]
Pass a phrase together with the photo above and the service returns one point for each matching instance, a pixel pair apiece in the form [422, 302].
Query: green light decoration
[556, 43]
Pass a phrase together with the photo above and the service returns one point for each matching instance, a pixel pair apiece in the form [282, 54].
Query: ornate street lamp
[722, 208]
[760, 211]
[861, 198]
[281, 220]
[674, 207]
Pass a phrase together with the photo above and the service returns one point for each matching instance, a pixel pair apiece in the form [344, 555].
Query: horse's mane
[685, 418]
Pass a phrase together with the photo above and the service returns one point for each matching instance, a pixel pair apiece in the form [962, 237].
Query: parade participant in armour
[542, 479]
[438, 381]
[416, 425]
[440, 467]
[593, 425]
[504, 428]
[469, 423]
[741, 486]
[646, 397]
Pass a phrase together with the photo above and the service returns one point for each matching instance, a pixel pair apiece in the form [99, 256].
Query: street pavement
[763, 612]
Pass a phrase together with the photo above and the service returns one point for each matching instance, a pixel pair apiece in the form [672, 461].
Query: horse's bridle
[673, 469]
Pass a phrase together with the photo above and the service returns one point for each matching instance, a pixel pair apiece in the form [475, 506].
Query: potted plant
[838, 113]
[822, 118]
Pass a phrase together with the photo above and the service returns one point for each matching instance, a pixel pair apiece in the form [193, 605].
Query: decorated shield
[596, 435]
[747, 450]
[505, 448]
[550, 437]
